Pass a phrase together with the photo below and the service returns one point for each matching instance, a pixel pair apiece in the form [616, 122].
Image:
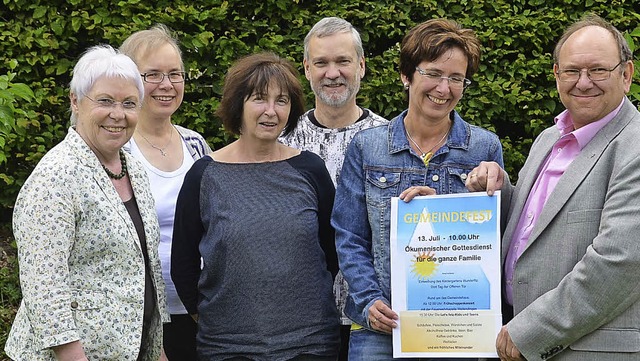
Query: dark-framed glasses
[156, 77]
[594, 74]
[108, 103]
[455, 82]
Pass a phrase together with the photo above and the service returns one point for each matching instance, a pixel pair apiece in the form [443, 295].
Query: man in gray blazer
[571, 247]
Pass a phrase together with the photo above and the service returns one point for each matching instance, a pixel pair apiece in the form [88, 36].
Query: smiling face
[106, 129]
[161, 99]
[334, 69]
[433, 99]
[264, 116]
[588, 101]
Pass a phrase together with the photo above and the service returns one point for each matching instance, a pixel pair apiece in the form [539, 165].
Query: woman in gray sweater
[257, 212]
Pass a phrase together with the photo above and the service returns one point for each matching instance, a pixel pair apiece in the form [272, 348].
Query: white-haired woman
[87, 231]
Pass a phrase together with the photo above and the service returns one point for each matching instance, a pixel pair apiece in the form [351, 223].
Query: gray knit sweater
[263, 232]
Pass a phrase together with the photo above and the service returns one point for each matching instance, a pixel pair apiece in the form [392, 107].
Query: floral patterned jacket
[82, 269]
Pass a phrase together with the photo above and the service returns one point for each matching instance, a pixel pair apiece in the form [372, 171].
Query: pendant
[426, 158]
[162, 152]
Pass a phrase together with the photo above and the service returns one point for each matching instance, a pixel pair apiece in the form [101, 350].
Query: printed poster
[445, 275]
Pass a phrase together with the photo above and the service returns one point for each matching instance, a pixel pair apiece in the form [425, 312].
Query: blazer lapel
[578, 171]
[526, 178]
[89, 159]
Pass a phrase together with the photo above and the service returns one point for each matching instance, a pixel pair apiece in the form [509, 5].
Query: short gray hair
[330, 26]
[102, 61]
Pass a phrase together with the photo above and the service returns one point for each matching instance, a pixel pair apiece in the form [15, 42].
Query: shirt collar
[564, 124]
[458, 137]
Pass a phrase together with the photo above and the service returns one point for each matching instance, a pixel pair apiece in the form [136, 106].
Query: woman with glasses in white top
[167, 151]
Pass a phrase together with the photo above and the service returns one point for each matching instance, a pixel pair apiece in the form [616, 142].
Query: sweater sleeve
[187, 233]
[312, 166]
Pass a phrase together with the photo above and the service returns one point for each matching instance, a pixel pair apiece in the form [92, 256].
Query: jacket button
[435, 178]
[383, 180]
[463, 176]
[74, 305]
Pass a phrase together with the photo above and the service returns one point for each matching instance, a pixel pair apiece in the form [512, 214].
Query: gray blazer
[576, 286]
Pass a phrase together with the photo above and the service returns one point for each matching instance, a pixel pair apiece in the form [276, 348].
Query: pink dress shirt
[563, 152]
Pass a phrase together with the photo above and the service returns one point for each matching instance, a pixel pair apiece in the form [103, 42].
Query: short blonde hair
[140, 43]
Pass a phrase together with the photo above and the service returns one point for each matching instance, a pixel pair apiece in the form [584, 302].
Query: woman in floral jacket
[87, 233]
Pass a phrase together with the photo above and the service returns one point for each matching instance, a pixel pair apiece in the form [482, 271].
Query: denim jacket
[380, 164]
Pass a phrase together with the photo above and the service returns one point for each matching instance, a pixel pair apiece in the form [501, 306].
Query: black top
[149, 293]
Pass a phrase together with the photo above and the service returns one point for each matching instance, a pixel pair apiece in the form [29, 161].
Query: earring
[406, 86]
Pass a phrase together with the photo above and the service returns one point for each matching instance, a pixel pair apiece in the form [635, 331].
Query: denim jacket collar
[458, 138]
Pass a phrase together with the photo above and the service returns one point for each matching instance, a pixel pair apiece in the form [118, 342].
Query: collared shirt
[563, 152]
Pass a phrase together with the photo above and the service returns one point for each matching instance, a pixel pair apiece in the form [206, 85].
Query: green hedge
[513, 94]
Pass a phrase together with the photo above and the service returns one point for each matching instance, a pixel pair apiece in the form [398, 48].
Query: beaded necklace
[426, 157]
[123, 163]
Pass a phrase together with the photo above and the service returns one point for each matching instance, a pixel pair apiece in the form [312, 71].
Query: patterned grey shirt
[331, 145]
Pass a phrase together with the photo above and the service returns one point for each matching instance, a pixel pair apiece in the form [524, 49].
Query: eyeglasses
[107, 103]
[157, 77]
[594, 74]
[455, 82]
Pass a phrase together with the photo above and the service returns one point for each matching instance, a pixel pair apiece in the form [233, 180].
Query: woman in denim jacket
[427, 149]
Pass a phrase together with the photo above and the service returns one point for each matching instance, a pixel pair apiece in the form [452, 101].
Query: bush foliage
[513, 94]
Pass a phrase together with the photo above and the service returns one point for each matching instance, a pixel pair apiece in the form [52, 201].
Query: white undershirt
[165, 187]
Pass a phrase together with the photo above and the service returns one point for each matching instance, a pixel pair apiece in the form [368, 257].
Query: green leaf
[40, 12]
[75, 24]
[22, 91]
[6, 117]
[550, 105]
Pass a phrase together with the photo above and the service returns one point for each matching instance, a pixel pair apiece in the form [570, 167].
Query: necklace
[426, 157]
[123, 163]
[164, 154]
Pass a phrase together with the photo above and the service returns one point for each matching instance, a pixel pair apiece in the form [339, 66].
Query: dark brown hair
[254, 73]
[429, 40]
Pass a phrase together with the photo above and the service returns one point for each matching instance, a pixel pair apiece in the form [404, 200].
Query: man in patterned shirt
[334, 64]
